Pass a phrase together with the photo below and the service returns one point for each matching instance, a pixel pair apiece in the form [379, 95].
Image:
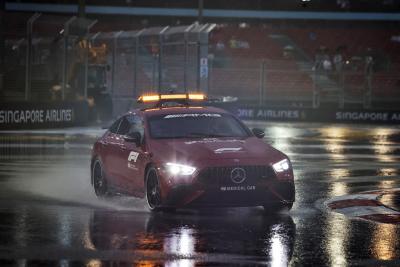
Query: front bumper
[236, 195]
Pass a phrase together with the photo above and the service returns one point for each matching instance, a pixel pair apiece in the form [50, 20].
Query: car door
[109, 147]
[120, 157]
[134, 157]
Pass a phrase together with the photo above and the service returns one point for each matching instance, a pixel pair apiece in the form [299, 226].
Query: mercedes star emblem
[238, 175]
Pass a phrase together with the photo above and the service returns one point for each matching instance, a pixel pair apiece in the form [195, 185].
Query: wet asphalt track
[50, 217]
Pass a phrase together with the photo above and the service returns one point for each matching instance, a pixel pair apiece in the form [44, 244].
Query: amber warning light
[162, 97]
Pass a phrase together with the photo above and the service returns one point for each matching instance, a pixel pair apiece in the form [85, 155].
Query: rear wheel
[99, 180]
[153, 190]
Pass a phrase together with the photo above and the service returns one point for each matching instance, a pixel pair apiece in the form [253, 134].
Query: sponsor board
[35, 116]
[270, 114]
[367, 116]
[316, 115]
[28, 115]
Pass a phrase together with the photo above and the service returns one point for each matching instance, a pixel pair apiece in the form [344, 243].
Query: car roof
[178, 110]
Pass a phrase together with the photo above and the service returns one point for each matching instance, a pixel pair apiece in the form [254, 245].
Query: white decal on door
[133, 156]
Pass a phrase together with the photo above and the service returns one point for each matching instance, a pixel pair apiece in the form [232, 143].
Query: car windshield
[196, 125]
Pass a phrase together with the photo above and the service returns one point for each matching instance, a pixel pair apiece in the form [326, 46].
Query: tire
[153, 190]
[99, 179]
[278, 207]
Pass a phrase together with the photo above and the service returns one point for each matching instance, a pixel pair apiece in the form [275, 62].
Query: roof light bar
[160, 97]
[173, 96]
[196, 96]
[149, 98]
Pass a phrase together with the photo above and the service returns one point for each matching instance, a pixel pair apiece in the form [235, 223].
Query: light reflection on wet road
[49, 215]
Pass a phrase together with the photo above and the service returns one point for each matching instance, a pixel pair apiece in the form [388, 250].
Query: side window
[114, 127]
[124, 126]
[136, 124]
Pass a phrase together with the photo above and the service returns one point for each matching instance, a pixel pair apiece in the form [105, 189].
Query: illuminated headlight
[180, 169]
[281, 166]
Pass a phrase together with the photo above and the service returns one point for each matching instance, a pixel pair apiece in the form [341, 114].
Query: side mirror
[258, 132]
[134, 137]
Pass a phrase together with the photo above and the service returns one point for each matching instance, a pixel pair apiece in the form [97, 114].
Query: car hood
[191, 150]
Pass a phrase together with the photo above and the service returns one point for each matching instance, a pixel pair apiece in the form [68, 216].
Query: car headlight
[180, 169]
[281, 166]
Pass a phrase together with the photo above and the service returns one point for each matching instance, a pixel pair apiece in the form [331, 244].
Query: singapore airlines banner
[23, 115]
[265, 113]
[319, 115]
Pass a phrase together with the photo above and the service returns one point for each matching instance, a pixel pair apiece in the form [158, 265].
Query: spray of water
[66, 182]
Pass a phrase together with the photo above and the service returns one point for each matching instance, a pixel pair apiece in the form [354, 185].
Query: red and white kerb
[366, 205]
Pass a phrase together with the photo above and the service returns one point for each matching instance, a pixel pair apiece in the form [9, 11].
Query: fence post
[160, 54]
[210, 69]
[28, 69]
[135, 74]
[2, 45]
[113, 60]
[342, 91]
[341, 97]
[199, 55]
[65, 56]
[186, 55]
[153, 79]
[202, 64]
[316, 96]
[87, 56]
[368, 89]
[262, 83]
[198, 44]
[185, 59]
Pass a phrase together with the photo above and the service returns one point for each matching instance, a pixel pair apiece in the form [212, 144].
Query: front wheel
[153, 190]
[99, 179]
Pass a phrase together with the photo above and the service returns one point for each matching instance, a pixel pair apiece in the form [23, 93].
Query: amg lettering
[193, 115]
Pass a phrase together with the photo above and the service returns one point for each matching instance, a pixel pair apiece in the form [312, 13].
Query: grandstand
[293, 76]
[260, 61]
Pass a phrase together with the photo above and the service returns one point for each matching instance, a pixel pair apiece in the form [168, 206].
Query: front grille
[222, 175]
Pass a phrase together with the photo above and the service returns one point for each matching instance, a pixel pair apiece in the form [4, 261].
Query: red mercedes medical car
[180, 155]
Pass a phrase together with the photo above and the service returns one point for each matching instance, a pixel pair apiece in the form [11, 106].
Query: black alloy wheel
[153, 190]
[99, 181]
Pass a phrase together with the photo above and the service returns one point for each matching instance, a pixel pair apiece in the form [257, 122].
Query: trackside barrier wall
[334, 115]
[42, 115]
